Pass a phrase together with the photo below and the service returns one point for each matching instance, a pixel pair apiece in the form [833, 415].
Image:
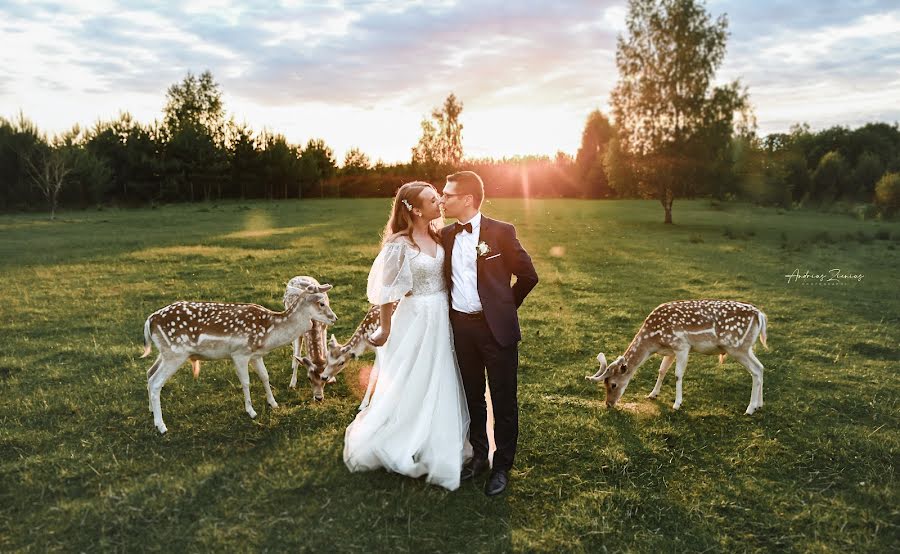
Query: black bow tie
[460, 228]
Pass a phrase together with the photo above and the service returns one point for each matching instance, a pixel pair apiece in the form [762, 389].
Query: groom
[481, 255]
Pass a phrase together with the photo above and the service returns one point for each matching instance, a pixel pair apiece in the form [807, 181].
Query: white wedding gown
[413, 419]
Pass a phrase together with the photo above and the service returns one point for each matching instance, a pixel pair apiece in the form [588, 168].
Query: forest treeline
[195, 154]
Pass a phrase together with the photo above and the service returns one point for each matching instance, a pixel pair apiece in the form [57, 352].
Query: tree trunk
[667, 200]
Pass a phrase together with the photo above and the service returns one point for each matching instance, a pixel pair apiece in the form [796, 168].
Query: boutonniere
[483, 249]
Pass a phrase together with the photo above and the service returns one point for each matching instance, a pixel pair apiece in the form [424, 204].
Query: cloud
[287, 62]
[336, 54]
[839, 69]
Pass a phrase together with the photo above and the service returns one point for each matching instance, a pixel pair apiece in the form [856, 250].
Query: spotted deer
[338, 355]
[314, 341]
[214, 331]
[674, 329]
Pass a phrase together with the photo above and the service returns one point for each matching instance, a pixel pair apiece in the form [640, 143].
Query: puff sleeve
[390, 277]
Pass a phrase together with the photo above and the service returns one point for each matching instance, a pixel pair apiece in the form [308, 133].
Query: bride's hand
[378, 338]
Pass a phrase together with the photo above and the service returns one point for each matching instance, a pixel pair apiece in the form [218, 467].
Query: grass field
[82, 467]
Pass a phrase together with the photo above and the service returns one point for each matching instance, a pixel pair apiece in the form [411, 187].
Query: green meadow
[82, 467]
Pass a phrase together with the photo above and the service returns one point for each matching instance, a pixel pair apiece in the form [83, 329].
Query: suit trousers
[477, 350]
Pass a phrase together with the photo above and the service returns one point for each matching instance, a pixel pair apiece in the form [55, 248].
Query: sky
[364, 73]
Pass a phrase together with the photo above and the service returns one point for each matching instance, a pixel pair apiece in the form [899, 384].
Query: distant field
[82, 467]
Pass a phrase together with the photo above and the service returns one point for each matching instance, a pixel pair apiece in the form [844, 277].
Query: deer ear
[334, 341]
[306, 361]
[323, 288]
[624, 368]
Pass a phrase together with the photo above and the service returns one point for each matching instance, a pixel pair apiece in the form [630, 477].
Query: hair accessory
[407, 204]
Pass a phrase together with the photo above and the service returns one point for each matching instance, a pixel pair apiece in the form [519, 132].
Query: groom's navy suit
[489, 339]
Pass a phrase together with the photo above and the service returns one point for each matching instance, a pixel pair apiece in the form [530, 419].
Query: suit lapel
[449, 239]
[483, 236]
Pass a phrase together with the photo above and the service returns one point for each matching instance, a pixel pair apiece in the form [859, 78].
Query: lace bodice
[427, 272]
[400, 269]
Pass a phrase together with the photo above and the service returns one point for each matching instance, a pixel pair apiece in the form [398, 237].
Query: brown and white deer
[314, 341]
[675, 329]
[338, 355]
[214, 331]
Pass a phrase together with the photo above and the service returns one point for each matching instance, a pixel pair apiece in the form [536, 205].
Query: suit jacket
[506, 258]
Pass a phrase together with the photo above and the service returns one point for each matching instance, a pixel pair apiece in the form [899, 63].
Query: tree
[671, 120]
[244, 159]
[425, 152]
[197, 160]
[281, 164]
[595, 141]
[317, 165]
[866, 173]
[49, 166]
[887, 193]
[19, 139]
[131, 152]
[830, 178]
[195, 127]
[618, 171]
[355, 162]
[195, 101]
[440, 146]
[450, 149]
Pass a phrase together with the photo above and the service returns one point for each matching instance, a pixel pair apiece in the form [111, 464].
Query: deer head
[314, 297]
[337, 357]
[316, 379]
[615, 377]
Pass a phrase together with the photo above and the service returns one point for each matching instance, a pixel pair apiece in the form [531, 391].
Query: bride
[413, 419]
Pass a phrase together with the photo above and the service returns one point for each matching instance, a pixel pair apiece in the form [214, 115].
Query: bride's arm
[380, 336]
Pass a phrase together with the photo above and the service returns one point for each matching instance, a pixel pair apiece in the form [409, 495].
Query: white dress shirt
[464, 294]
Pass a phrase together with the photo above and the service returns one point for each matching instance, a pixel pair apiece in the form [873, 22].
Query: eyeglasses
[450, 195]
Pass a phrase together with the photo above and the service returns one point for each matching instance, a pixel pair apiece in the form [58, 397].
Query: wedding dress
[413, 419]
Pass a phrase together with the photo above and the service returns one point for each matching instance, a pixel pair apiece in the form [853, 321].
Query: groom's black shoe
[473, 469]
[497, 483]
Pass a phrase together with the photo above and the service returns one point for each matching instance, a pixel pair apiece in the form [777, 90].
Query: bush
[865, 211]
[887, 193]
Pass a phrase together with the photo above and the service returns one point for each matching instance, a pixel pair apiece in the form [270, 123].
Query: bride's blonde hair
[400, 223]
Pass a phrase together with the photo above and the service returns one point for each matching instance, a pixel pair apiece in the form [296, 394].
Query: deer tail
[147, 344]
[762, 329]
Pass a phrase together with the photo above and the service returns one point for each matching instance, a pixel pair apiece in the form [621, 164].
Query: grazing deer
[338, 355]
[314, 340]
[674, 329]
[214, 331]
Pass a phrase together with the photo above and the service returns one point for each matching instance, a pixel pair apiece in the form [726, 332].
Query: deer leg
[240, 364]
[681, 358]
[150, 373]
[755, 369]
[759, 393]
[167, 368]
[264, 377]
[663, 368]
[295, 363]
